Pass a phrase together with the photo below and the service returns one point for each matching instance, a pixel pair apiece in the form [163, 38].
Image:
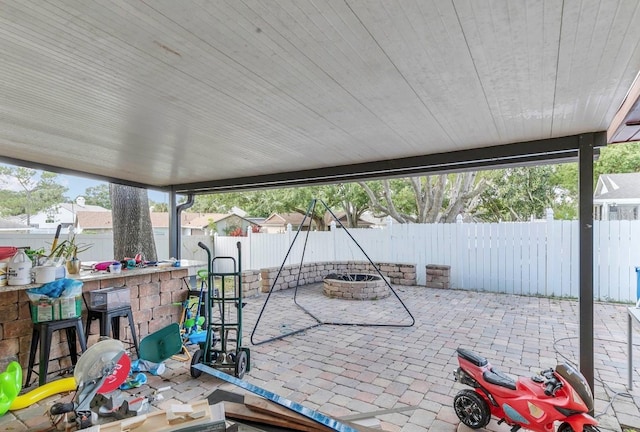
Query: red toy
[537, 403]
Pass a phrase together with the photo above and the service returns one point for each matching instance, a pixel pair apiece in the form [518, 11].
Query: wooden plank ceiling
[165, 92]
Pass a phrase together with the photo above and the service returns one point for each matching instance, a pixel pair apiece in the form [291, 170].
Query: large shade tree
[425, 199]
[353, 200]
[518, 194]
[132, 230]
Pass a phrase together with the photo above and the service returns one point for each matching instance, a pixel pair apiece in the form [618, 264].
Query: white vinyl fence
[529, 258]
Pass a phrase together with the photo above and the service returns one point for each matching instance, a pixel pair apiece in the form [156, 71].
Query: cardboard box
[109, 298]
[52, 309]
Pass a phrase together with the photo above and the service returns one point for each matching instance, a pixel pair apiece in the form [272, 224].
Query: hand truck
[223, 352]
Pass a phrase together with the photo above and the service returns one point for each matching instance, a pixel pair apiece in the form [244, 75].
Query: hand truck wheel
[240, 364]
[196, 359]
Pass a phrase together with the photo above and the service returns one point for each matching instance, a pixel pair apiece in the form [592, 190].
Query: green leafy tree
[613, 159]
[617, 159]
[35, 192]
[98, 195]
[517, 194]
[160, 207]
[255, 203]
[353, 201]
[348, 197]
[11, 203]
[564, 181]
[298, 200]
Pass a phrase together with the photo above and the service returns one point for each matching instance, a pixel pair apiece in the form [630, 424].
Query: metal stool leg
[88, 326]
[105, 326]
[80, 332]
[132, 327]
[45, 349]
[35, 337]
[41, 340]
[115, 326]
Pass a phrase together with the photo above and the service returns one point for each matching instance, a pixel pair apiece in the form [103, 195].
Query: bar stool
[41, 338]
[110, 322]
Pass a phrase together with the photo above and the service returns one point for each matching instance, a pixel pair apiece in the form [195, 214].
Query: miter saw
[100, 369]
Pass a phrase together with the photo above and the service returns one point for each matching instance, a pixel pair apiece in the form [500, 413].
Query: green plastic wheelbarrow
[162, 344]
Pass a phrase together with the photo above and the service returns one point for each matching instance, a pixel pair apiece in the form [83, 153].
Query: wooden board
[256, 403]
[242, 412]
[253, 408]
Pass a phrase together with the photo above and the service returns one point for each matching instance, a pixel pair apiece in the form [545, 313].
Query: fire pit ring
[355, 286]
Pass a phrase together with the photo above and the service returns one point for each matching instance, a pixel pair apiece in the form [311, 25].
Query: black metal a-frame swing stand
[318, 322]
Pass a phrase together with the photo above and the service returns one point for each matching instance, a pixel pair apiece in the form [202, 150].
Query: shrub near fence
[528, 258]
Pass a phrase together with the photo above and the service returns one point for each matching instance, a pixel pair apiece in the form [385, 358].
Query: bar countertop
[91, 275]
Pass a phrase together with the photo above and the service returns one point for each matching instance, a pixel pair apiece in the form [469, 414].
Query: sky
[77, 186]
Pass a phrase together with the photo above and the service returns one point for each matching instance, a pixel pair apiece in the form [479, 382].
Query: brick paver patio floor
[346, 369]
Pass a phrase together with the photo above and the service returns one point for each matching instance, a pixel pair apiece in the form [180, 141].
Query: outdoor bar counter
[156, 296]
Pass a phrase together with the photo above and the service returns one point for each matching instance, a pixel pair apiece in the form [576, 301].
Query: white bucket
[19, 269]
[3, 273]
[45, 274]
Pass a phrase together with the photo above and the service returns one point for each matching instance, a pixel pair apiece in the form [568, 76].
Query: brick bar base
[438, 276]
[155, 301]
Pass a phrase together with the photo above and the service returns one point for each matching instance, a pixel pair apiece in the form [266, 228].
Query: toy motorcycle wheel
[471, 409]
[566, 427]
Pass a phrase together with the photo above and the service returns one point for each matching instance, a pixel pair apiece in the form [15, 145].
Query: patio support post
[175, 233]
[585, 183]
[174, 227]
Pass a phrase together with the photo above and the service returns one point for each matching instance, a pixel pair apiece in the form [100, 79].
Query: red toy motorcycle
[536, 403]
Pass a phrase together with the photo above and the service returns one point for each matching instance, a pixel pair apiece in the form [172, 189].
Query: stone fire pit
[354, 286]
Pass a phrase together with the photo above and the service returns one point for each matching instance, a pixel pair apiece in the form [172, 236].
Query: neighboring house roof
[617, 186]
[102, 219]
[19, 219]
[342, 217]
[256, 220]
[61, 213]
[202, 220]
[161, 219]
[94, 220]
[76, 207]
[295, 219]
[282, 219]
[9, 225]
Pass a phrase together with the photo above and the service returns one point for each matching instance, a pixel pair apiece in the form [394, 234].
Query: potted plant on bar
[68, 251]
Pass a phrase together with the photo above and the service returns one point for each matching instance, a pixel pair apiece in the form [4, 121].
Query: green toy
[10, 385]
